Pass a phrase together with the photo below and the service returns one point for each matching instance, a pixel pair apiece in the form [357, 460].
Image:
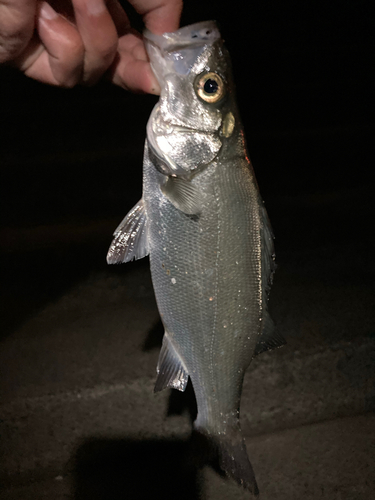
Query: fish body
[203, 224]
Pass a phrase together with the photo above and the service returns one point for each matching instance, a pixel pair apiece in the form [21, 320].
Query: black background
[71, 159]
[305, 76]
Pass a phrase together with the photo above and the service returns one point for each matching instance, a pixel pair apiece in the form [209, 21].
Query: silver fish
[203, 224]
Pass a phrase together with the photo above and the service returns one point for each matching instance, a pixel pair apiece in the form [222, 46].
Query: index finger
[159, 16]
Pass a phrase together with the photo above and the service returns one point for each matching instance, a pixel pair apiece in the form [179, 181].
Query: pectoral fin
[183, 195]
[130, 238]
[170, 369]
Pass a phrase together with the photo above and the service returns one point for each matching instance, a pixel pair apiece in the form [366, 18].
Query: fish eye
[210, 87]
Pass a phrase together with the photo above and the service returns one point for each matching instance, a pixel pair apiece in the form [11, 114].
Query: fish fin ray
[183, 195]
[171, 371]
[268, 252]
[130, 238]
[236, 464]
[269, 339]
[230, 450]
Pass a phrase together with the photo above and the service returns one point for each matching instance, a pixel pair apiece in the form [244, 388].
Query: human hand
[77, 41]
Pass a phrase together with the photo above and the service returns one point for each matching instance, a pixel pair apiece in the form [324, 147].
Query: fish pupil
[210, 86]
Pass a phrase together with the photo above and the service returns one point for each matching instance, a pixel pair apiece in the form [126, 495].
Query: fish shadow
[154, 337]
[114, 469]
[140, 469]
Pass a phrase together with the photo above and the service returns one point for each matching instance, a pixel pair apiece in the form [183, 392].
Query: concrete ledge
[331, 460]
[282, 390]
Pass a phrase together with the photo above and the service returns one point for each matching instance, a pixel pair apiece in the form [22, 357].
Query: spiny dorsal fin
[269, 339]
[183, 195]
[130, 238]
[170, 369]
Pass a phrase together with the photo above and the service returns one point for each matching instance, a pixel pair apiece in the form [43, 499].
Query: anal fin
[171, 371]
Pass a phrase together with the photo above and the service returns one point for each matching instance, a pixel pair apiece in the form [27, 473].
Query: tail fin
[235, 462]
[230, 450]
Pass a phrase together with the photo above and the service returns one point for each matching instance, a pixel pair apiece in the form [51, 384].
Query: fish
[203, 223]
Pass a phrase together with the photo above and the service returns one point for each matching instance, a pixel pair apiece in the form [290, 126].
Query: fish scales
[203, 224]
[208, 303]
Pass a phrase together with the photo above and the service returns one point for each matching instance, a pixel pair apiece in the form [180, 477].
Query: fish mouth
[192, 35]
[176, 52]
[157, 126]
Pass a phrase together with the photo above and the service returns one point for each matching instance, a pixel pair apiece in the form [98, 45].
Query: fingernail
[96, 7]
[140, 53]
[47, 12]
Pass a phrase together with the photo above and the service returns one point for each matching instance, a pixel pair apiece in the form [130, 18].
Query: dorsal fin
[269, 339]
[268, 251]
[171, 371]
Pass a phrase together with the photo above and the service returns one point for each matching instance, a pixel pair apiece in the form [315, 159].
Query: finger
[159, 16]
[99, 36]
[119, 17]
[64, 8]
[131, 70]
[17, 22]
[58, 58]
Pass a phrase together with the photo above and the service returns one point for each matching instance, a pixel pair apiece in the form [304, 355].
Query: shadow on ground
[111, 469]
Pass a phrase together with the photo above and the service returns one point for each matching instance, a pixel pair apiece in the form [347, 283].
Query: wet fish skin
[205, 228]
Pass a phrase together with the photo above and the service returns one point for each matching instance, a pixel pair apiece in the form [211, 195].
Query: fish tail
[235, 462]
[229, 450]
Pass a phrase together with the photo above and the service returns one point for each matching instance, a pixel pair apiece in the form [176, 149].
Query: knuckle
[11, 45]
[15, 33]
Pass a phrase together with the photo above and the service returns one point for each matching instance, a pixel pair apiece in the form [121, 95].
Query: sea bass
[203, 224]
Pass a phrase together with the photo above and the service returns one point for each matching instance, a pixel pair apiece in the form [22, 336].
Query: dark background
[71, 160]
[71, 168]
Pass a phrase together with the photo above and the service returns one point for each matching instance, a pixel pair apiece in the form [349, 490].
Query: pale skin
[70, 42]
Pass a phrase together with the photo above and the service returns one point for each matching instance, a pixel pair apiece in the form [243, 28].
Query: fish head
[192, 118]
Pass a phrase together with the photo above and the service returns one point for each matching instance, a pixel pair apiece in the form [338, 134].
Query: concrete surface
[78, 413]
[329, 460]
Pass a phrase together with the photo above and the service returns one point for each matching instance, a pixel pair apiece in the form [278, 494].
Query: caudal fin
[230, 450]
[235, 462]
